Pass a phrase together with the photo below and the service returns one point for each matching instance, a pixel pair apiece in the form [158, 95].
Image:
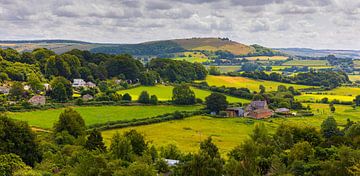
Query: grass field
[165, 93]
[187, 134]
[193, 57]
[314, 97]
[267, 58]
[101, 114]
[307, 63]
[247, 83]
[347, 91]
[226, 69]
[356, 63]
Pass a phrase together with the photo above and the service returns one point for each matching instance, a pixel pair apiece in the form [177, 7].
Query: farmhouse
[235, 112]
[258, 110]
[37, 100]
[79, 83]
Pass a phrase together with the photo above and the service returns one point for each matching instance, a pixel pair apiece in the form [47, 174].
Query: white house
[79, 83]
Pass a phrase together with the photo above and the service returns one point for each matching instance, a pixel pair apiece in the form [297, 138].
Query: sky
[318, 24]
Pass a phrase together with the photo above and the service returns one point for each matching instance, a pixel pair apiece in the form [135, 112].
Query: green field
[266, 58]
[193, 57]
[228, 132]
[247, 83]
[356, 63]
[187, 134]
[100, 114]
[164, 93]
[314, 97]
[316, 63]
[226, 69]
[346, 91]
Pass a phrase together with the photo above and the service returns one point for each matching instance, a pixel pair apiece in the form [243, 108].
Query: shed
[235, 112]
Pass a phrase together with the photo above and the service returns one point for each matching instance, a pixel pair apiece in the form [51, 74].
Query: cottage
[4, 90]
[258, 110]
[79, 83]
[37, 100]
[234, 112]
[87, 97]
[171, 162]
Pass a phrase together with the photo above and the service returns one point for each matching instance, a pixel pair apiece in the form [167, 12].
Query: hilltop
[151, 48]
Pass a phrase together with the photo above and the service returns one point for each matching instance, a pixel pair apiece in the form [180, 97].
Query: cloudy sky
[333, 24]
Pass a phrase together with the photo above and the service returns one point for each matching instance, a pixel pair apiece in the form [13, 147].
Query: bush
[126, 97]
[153, 100]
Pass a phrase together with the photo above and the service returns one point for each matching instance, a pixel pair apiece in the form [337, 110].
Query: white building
[79, 83]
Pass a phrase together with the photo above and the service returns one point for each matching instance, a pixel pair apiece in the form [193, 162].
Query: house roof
[258, 104]
[282, 110]
[259, 111]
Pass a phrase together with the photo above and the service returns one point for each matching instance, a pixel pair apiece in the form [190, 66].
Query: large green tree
[61, 89]
[95, 141]
[216, 102]
[70, 121]
[183, 95]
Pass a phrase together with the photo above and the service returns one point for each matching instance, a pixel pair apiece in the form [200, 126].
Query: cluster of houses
[256, 110]
[41, 100]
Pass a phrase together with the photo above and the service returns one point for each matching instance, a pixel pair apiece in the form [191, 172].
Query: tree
[262, 89]
[153, 100]
[35, 83]
[91, 164]
[95, 141]
[214, 71]
[210, 148]
[149, 78]
[329, 127]
[144, 97]
[121, 147]
[216, 102]
[332, 108]
[70, 121]
[17, 91]
[18, 138]
[3, 76]
[126, 97]
[281, 88]
[61, 89]
[183, 95]
[137, 141]
[302, 151]
[357, 100]
[9, 163]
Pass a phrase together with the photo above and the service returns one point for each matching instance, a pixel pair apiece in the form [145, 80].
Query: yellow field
[354, 78]
[247, 83]
[193, 57]
[316, 63]
[315, 97]
[267, 58]
[347, 91]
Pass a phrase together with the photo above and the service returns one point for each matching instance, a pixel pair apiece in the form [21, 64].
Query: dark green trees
[17, 91]
[149, 78]
[61, 89]
[329, 127]
[126, 97]
[17, 137]
[95, 141]
[183, 95]
[144, 97]
[72, 122]
[216, 102]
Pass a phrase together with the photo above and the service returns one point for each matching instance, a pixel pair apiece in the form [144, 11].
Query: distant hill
[153, 48]
[320, 53]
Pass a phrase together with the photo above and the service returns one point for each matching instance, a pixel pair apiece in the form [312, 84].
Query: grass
[193, 57]
[164, 93]
[356, 63]
[307, 63]
[346, 91]
[267, 58]
[314, 97]
[247, 83]
[226, 69]
[187, 134]
[101, 114]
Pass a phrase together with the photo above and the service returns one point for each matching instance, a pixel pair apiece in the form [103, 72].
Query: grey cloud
[155, 5]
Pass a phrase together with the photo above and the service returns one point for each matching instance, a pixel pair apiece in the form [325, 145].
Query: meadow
[226, 133]
[356, 63]
[226, 69]
[251, 84]
[267, 58]
[193, 57]
[315, 97]
[354, 78]
[346, 91]
[164, 93]
[97, 114]
[307, 63]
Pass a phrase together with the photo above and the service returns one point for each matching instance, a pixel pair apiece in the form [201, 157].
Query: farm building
[235, 112]
[258, 110]
[79, 83]
[37, 100]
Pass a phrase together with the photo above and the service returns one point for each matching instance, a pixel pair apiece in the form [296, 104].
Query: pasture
[226, 133]
[346, 91]
[193, 57]
[356, 63]
[267, 58]
[164, 93]
[251, 84]
[97, 114]
[354, 78]
[316, 63]
[226, 69]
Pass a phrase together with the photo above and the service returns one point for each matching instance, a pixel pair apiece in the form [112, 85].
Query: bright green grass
[193, 57]
[187, 134]
[347, 91]
[314, 97]
[279, 67]
[165, 93]
[307, 63]
[247, 83]
[100, 114]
